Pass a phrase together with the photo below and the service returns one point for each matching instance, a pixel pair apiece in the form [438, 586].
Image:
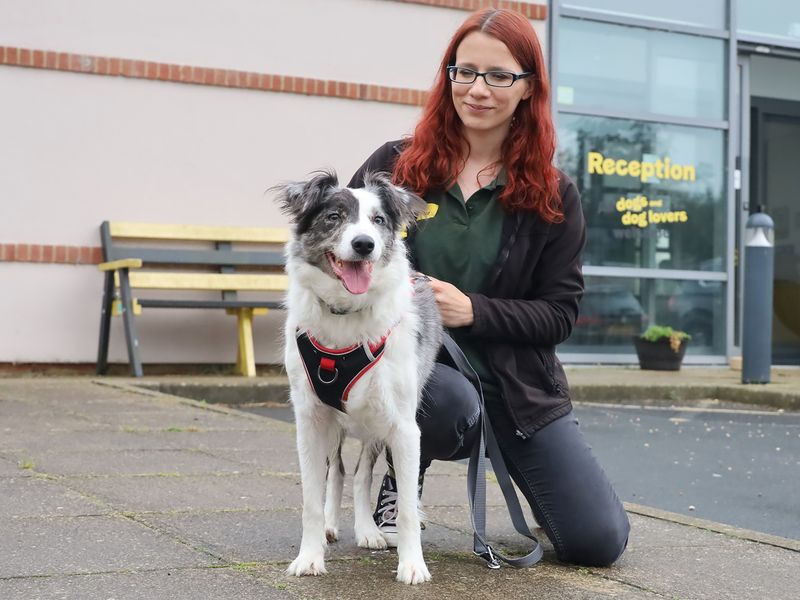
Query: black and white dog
[361, 340]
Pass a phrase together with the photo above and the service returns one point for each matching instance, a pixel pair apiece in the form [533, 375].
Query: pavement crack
[592, 573]
[171, 535]
[107, 572]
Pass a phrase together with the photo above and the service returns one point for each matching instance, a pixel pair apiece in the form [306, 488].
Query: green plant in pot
[661, 348]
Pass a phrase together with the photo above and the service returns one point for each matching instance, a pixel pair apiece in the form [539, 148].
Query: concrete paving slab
[451, 490]
[33, 442]
[10, 467]
[238, 536]
[261, 459]
[170, 418]
[35, 411]
[44, 423]
[136, 406]
[133, 462]
[283, 445]
[195, 520]
[499, 528]
[264, 536]
[189, 492]
[60, 389]
[175, 584]
[36, 497]
[256, 441]
[743, 570]
[655, 533]
[89, 544]
[455, 577]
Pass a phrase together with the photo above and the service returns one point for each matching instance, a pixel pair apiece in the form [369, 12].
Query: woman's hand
[455, 306]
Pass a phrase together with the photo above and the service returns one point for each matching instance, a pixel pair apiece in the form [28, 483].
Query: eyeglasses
[492, 78]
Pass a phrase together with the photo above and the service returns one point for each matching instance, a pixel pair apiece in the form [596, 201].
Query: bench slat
[153, 303]
[161, 231]
[208, 281]
[197, 257]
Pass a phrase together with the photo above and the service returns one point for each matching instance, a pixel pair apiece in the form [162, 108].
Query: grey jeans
[568, 491]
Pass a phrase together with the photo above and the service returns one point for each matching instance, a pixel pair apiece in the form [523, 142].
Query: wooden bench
[187, 260]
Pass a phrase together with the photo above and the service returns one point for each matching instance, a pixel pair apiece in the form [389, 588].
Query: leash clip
[489, 557]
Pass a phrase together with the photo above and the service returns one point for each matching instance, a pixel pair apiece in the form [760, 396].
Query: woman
[502, 243]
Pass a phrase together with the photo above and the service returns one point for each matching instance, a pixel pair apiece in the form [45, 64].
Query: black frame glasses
[453, 72]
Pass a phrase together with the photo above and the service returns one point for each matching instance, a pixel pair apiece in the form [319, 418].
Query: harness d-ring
[328, 382]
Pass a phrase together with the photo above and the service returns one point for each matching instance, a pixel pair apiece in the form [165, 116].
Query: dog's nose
[363, 244]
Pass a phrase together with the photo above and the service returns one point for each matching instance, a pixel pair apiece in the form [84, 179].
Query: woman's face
[483, 108]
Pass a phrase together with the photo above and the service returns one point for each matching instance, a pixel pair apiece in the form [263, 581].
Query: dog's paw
[371, 537]
[413, 572]
[307, 564]
[332, 534]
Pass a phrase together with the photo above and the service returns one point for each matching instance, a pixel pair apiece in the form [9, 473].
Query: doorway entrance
[774, 162]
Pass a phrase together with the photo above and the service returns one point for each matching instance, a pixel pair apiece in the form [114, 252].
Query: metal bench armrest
[125, 263]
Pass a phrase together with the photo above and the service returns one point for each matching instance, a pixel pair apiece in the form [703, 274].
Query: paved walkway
[110, 491]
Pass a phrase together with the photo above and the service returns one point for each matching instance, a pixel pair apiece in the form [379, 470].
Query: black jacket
[529, 305]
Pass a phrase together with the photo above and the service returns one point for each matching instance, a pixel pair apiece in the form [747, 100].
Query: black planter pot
[659, 355]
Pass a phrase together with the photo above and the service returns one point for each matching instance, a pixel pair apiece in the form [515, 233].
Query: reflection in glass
[779, 149]
[613, 310]
[631, 69]
[709, 13]
[778, 19]
[634, 217]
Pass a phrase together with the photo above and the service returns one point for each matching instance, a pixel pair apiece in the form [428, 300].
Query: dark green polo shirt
[460, 244]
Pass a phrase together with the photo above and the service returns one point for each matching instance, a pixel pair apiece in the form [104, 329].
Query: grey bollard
[759, 265]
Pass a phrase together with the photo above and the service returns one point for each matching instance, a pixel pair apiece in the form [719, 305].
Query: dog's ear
[402, 205]
[298, 199]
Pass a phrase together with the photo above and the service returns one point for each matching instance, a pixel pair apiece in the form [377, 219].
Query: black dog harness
[333, 372]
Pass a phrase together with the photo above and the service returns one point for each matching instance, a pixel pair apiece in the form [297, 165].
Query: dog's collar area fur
[332, 372]
[339, 311]
[415, 277]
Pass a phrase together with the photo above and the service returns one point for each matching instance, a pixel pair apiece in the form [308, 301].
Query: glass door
[774, 158]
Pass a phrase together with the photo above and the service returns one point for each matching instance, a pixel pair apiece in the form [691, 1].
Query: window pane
[614, 310]
[778, 19]
[653, 194]
[708, 13]
[632, 69]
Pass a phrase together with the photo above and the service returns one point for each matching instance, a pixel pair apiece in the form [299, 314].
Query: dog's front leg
[405, 443]
[314, 441]
[367, 533]
[333, 495]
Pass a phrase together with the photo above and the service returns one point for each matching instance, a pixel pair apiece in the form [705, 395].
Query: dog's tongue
[356, 275]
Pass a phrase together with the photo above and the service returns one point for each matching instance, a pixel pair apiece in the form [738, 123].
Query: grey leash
[476, 481]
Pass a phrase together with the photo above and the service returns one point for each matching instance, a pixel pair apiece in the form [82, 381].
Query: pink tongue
[356, 275]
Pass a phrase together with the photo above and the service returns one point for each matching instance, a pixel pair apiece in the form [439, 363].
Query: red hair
[432, 158]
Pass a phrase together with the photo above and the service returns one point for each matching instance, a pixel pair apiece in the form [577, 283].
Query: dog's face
[347, 232]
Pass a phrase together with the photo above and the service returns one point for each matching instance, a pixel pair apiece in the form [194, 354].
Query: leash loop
[476, 479]
[329, 381]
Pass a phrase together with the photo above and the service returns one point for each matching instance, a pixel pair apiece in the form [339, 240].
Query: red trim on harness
[327, 350]
[327, 364]
[363, 371]
[372, 346]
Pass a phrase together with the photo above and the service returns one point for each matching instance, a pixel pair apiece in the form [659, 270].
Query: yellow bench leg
[246, 356]
[246, 362]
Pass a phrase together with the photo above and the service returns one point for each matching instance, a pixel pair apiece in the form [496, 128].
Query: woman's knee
[450, 409]
[598, 544]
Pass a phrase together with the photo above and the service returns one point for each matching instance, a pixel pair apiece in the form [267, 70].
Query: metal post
[105, 323]
[759, 260]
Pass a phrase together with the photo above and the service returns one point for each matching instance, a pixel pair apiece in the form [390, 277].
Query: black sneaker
[385, 514]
